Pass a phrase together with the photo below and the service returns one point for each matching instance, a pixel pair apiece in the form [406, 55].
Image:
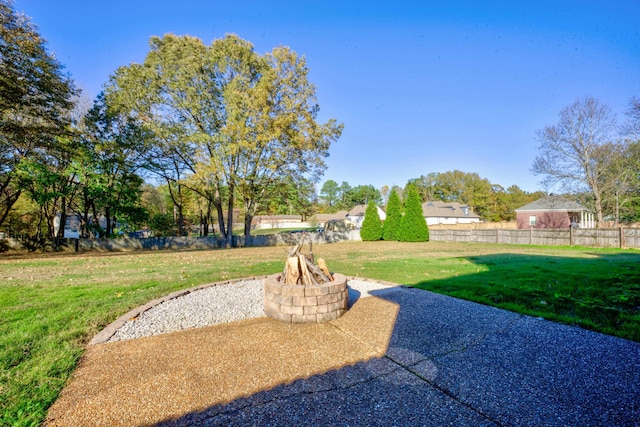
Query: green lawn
[51, 306]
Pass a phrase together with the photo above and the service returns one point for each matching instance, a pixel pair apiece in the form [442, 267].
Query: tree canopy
[245, 120]
[35, 101]
[578, 153]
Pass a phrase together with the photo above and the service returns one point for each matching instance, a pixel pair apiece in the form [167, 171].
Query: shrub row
[407, 226]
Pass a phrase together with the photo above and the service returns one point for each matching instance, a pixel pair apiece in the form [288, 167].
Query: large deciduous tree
[456, 186]
[108, 163]
[329, 194]
[35, 100]
[238, 121]
[578, 152]
[273, 129]
[173, 95]
[627, 192]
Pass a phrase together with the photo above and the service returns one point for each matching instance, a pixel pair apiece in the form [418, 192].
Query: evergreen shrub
[371, 226]
[413, 226]
[391, 225]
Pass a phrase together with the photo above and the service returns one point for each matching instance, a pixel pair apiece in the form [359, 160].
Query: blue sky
[424, 86]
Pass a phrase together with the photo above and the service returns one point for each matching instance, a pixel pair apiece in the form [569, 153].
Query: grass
[51, 306]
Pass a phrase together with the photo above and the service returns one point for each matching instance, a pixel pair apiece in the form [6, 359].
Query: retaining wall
[595, 237]
[124, 244]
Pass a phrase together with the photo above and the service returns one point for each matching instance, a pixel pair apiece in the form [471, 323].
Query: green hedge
[371, 226]
[413, 226]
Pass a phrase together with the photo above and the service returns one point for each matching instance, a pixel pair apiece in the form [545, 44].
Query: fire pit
[305, 304]
[305, 292]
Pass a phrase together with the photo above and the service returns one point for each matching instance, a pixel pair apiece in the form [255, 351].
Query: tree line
[591, 155]
[491, 202]
[225, 133]
[220, 123]
[588, 155]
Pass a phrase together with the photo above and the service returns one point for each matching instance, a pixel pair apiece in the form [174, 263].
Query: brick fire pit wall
[305, 304]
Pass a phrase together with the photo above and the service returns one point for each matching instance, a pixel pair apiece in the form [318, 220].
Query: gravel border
[208, 305]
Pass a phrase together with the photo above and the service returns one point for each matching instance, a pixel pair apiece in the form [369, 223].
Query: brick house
[554, 212]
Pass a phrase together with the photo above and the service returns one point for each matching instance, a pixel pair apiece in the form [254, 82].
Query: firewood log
[292, 271]
[294, 250]
[319, 275]
[323, 266]
[307, 278]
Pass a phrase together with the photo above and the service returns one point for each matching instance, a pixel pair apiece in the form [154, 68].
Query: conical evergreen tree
[413, 226]
[371, 226]
[391, 225]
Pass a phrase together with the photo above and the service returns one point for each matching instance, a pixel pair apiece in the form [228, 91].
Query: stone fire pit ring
[305, 304]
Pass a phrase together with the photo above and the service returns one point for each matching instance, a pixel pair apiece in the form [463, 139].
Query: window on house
[532, 220]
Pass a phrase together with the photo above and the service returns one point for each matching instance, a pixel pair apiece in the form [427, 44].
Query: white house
[356, 215]
[322, 219]
[259, 222]
[439, 212]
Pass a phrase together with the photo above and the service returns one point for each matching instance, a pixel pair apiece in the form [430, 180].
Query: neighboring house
[439, 212]
[554, 212]
[356, 215]
[322, 219]
[276, 221]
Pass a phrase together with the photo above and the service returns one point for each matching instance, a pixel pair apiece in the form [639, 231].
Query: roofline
[552, 210]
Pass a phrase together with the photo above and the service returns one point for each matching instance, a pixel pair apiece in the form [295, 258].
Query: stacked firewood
[300, 268]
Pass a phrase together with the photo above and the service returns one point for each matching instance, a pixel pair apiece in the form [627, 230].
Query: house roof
[552, 203]
[440, 209]
[275, 218]
[358, 210]
[330, 217]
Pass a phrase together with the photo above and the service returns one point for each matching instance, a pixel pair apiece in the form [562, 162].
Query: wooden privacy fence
[596, 237]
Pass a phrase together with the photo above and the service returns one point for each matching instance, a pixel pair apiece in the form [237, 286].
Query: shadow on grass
[600, 292]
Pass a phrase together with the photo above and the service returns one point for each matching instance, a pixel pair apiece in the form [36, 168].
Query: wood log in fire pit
[300, 269]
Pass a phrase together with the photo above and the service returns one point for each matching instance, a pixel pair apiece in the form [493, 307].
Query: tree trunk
[229, 237]
[218, 205]
[249, 211]
[247, 228]
[107, 216]
[8, 203]
[180, 212]
[599, 216]
[57, 241]
[85, 216]
[95, 221]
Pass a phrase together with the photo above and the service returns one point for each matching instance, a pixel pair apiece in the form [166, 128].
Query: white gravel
[214, 305]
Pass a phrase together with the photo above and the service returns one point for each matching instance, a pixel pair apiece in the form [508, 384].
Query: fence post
[621, 237]
[531, 235]
[497, 236]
